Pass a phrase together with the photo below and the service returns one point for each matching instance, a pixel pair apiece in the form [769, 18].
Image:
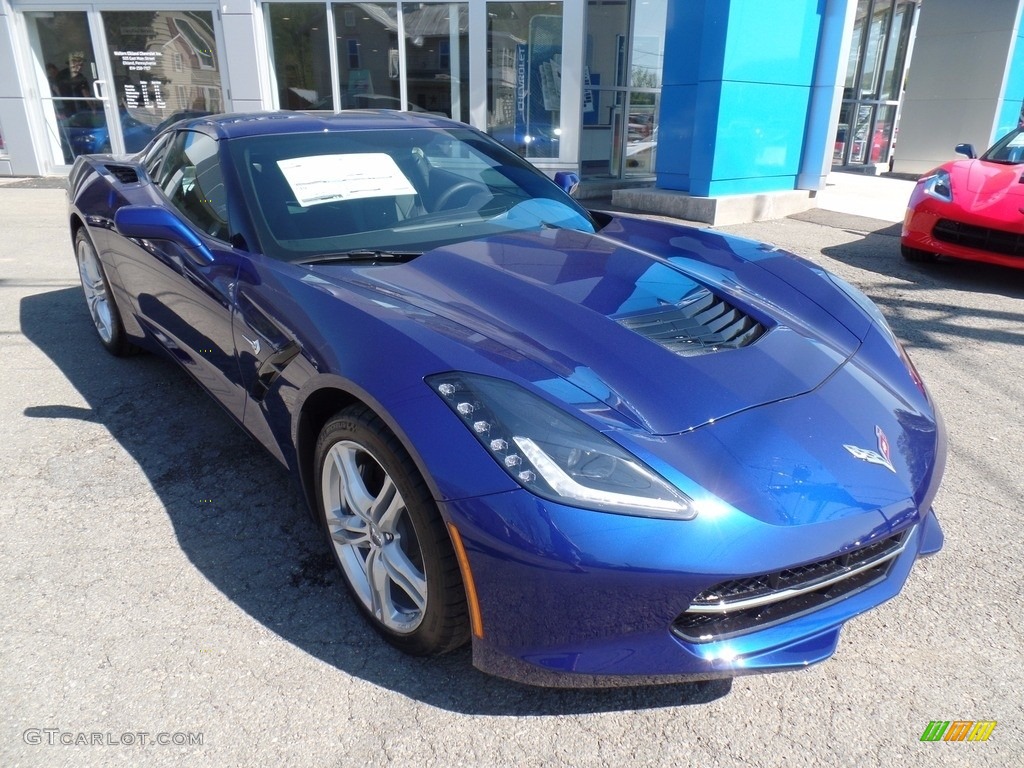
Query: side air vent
[126, 174]
[700, 324]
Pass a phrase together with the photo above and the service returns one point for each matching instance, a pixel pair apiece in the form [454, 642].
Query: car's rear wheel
[387, 535]
[915, 254]
[100, 299]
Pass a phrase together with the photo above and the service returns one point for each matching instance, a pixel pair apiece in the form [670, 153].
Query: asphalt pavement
[168, 602]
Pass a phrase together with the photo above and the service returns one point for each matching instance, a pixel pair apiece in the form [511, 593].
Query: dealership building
[695, 103]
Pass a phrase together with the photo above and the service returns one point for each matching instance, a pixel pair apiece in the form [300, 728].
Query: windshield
[1008, 150]
[405, 190]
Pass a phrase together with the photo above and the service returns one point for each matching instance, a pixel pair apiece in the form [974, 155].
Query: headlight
[939, 186]
[554, 455]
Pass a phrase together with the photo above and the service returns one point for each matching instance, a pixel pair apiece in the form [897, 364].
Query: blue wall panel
[676, 121]
[772, 42]
[736, 94]
[1013, 93]
[760, 130]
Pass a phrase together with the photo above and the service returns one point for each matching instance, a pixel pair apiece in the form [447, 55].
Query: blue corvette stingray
[606, 450]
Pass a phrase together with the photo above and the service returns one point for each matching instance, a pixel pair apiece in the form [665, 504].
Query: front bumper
[574, 598]
[919, 232]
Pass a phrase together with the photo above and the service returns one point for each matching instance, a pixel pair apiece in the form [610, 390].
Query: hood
[630, 328]
[815, 459]
[993, 189]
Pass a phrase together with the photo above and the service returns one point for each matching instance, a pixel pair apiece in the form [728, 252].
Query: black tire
[916, 255]
[387, 536]
[100, 300]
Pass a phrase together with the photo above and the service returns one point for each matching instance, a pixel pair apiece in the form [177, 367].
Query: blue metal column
[736, 102]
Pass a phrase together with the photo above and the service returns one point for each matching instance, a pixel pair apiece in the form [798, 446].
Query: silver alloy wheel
[373, 536]
[95, 287]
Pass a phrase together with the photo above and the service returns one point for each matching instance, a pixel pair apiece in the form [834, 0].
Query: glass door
[622, 88]
[164, 67]
[74, 98]
[152, 68]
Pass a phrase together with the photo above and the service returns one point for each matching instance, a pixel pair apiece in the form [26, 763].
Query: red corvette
[970, 209]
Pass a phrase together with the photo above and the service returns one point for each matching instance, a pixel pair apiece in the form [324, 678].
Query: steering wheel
[461, 186]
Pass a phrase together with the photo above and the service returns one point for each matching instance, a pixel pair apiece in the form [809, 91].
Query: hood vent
[126, 174]
[703, 323]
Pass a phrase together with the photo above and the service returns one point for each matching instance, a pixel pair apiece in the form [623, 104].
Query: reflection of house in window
[179, 62]
[353, 53]
[202, 48]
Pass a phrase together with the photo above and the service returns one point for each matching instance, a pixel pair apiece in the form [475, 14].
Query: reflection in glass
[437, 57]
[896, 52]
[641, 134]
[621, 88]
[866, 133]
[75, 119]
[524, 86]
[861, 134]
[883, 134]
[368, 64]
[299, 53]
[879, 23]
[165, 69]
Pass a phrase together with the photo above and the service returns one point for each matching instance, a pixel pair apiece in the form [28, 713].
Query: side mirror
[151, 222]
[568, 181]
[966, 149]
[144, 222]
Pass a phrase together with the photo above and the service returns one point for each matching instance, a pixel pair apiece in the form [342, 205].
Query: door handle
[97, 89]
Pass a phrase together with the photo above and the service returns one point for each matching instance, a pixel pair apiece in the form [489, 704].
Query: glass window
[368, 73]
[896, 52]
[192, 180]
[862, 138]
[622, 76]
[871, 75]
[437, 58]
[524, 87]
[165, 69]
[405, 191]
[155, 154]
[300, 55]
[72, 103]
[648, 50]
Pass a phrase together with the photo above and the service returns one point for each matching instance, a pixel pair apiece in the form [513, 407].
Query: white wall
[955, 79]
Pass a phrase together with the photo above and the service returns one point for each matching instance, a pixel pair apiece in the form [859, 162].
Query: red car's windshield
[1008, 150]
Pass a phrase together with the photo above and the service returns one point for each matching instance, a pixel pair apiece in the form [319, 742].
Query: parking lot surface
[167, 601]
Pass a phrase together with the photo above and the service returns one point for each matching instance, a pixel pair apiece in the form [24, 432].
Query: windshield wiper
[360, 254]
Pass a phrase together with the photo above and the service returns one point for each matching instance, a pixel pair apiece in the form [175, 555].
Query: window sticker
[327, 178]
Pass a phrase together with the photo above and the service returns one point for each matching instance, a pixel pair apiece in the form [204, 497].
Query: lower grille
[738, 606]
[982, 238]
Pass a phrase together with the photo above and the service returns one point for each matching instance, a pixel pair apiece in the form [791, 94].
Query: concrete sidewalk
[874, 197]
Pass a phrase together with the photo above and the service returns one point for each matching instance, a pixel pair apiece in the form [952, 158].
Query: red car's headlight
[939, 186]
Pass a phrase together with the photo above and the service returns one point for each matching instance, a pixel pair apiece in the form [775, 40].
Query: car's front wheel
[915, 254]
[387, 535]
[100, 299]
